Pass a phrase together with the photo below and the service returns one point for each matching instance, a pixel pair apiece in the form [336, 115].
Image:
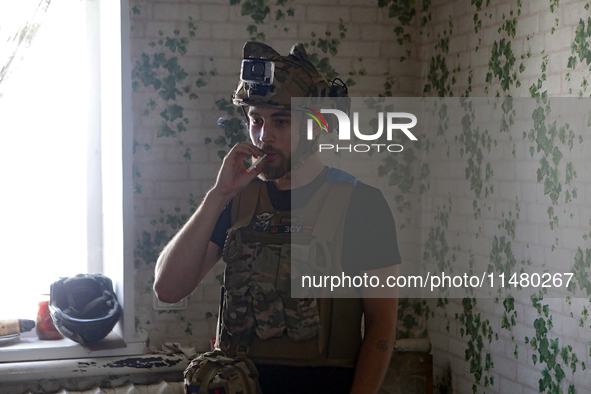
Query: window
[66, 159]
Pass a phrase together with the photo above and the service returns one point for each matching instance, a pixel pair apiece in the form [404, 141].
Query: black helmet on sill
[84, 308]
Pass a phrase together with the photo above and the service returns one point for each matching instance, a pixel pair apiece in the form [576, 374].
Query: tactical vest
[265, 251]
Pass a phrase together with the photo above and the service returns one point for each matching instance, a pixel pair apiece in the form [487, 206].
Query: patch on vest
[290, 229]
[262, 224]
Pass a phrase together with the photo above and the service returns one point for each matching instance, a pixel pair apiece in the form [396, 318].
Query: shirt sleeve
[224, 222]
[369, 239]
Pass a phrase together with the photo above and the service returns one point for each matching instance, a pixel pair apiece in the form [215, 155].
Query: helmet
[285, 77]
[268, 79]
[84, 308]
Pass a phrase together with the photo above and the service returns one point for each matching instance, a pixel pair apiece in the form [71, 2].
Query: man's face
[270, 130]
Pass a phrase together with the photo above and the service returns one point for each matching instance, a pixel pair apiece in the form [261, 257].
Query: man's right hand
[188, 257]
[232, 177]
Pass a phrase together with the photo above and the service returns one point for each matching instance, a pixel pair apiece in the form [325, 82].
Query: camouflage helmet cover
[294, 76]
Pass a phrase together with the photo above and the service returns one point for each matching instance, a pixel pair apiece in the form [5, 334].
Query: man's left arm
[380, 334]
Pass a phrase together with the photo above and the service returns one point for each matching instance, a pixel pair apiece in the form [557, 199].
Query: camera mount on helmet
[268, 79]
[259, 75]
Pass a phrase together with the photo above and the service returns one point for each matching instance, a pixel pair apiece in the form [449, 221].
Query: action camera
[257, 71]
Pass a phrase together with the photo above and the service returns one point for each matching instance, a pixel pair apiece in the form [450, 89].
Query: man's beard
[271, 172]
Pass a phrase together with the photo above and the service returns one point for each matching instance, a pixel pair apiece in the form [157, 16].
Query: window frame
[110, 198]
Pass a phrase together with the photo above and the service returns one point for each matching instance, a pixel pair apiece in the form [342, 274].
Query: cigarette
[253, 166]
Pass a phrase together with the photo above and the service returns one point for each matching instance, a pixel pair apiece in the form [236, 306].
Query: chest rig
[267, 251]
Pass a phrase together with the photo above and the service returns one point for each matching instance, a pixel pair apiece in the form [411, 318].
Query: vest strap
[245, 204]
[243, 346]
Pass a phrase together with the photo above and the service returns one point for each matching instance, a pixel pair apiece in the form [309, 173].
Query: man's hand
[232, 177]
[190, 254]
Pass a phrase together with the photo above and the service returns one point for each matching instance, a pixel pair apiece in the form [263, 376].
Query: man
[300, 345]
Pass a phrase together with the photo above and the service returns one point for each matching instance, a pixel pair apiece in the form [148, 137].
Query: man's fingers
[234, 161]
[246, 149]
[256, 171]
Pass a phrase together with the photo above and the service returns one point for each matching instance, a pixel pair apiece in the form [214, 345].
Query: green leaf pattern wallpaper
[522, 198]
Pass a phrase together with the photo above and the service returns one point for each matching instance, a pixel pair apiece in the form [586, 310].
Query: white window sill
[29, 348]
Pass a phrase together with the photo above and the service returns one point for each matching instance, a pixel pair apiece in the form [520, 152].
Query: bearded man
[290, 207]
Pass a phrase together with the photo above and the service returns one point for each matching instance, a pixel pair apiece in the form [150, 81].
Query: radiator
[158, 388]
[142, 374]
